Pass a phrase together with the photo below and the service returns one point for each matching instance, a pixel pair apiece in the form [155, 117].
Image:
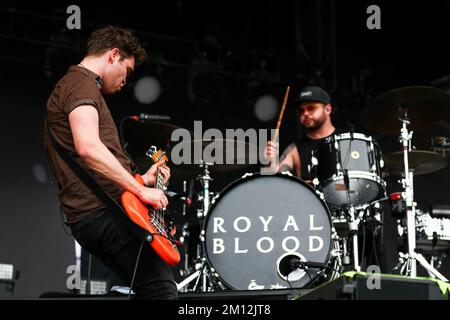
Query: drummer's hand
[150, 176]
[271, 150]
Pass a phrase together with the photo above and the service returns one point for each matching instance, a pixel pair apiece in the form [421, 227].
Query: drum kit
[278, 231]
[416, 109]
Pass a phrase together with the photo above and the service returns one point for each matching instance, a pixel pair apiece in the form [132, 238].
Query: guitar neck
[159, 181]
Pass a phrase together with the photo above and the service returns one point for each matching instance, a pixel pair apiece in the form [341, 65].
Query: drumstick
[280, 117]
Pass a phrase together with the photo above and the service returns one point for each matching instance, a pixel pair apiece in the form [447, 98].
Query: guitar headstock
[156, 155]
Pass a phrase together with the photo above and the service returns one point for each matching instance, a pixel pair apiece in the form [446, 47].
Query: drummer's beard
[315, 124]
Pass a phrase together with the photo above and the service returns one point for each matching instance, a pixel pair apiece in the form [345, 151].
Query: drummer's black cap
[315, 94]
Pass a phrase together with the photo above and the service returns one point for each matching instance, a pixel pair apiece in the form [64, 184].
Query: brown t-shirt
[79, 87]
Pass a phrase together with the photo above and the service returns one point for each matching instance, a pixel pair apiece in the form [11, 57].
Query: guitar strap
[90, 182]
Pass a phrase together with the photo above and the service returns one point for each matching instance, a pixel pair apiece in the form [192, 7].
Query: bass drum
[259, 225]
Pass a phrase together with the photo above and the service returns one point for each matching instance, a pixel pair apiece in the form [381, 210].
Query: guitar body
[147, 219]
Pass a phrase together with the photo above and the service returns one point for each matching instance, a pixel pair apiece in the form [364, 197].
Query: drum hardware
[439, 142]
[353, 228]
[432, 229]
[433, 234]
[437, 259]
[183, 221]
[241, 229]
[292, 266]
[417, 108]
[345, 253]
[235, 155]
[288, 266]
[347, 225]
[347, 230]
[203, 277]
[440, 145]
[404, 263]
[420, 162]
[184, 240]
[425, 105]
[408, 262]
[208, 277]
[204, 179]
[347, 169]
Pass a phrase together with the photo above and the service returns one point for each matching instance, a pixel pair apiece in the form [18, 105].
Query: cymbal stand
[204, 179]
[185, 234]
[203, 274]
[409, 260]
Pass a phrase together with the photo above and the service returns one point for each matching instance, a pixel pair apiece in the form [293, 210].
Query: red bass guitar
[152, 220]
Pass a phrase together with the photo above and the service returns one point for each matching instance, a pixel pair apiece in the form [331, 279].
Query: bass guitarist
[81, 123]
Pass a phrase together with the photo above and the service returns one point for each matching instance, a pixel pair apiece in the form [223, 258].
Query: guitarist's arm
[85, 131]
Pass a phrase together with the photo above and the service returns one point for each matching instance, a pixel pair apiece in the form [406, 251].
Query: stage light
[6, 271]
[147, 90]
[266, 108]
[39, 173]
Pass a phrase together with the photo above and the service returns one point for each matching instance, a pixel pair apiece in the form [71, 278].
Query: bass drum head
[256, 221]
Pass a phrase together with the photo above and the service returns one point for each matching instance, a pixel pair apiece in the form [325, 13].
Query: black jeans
[105, 237]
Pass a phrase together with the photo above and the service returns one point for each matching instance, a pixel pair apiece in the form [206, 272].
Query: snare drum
[260, 220]
[347, 168]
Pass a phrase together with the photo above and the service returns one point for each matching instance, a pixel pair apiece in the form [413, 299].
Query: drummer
[314, 109]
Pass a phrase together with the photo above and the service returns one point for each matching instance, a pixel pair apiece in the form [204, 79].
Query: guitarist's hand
[154, 197]
[150, 176]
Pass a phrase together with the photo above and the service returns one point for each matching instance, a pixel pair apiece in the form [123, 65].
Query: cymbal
[424, 105]
[143, 135]
[220, 154]
[420, 162]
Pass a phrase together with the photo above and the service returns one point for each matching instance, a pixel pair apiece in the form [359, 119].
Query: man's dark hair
[110, 37]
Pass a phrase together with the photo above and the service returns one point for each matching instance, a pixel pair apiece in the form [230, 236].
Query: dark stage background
[213, 61]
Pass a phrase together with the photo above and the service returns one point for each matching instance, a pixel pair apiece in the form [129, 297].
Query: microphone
[295, 263]
[151, 117]
[311, 264]
[346, 180]
[288, 266]
[351, 128]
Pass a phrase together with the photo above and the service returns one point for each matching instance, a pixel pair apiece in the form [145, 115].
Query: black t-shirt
[305, 147]
[77, 88]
